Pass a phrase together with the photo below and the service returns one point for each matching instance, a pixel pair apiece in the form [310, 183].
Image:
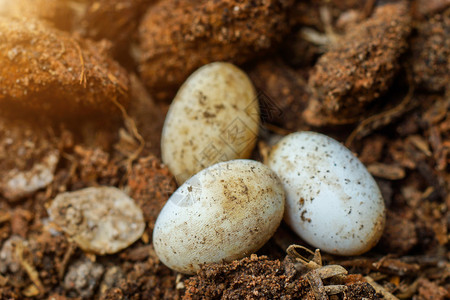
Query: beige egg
[214, 117]
[223, 213]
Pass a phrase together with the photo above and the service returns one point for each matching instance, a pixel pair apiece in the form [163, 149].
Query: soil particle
[430, 290]
[261, 278]
[94, 167]
[372, 150]
[19, 221]
[362, 291]
[111, 278]
[9, 292]
[114, 20]
[149, 279]
[8, 259]
[48, 252]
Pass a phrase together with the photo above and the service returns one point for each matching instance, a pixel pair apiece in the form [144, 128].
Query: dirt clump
[261, 278]
[360, 67]
[177, 37]
[51, 72]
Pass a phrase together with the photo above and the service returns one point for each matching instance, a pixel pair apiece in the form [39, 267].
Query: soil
[372, 74]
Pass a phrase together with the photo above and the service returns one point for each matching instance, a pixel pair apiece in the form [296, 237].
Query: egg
[222, 213]
[332, 202]
[214, 117]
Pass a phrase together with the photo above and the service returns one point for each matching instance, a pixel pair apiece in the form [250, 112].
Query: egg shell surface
[214, 117]
[223, 213]
[332, 202]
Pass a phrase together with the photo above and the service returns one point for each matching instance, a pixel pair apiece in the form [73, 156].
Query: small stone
[17, 184]
[82, 277]
[102, 220]
[9, 262]
[28, 158]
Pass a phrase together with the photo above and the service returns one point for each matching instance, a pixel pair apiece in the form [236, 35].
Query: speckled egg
[332, 202]
[223, 213]
[214, 117]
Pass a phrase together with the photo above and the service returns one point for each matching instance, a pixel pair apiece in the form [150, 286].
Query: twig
[316, 285]
[379, 289]
[83, 79]
[65, 261]
[131, 126]
[278, 130]
[29, 269]
[379, 263]
[326, 18]
[314, 263]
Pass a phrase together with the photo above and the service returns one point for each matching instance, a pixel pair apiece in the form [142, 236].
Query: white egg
[223, 213]
[214, 117]
[332, 202]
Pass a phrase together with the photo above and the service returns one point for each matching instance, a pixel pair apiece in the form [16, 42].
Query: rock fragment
[102, 220]
[28, 158]
[83, 277]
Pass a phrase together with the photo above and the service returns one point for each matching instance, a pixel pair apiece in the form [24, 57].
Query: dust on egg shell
[332, 202]
[223, 213]
[214, 117]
